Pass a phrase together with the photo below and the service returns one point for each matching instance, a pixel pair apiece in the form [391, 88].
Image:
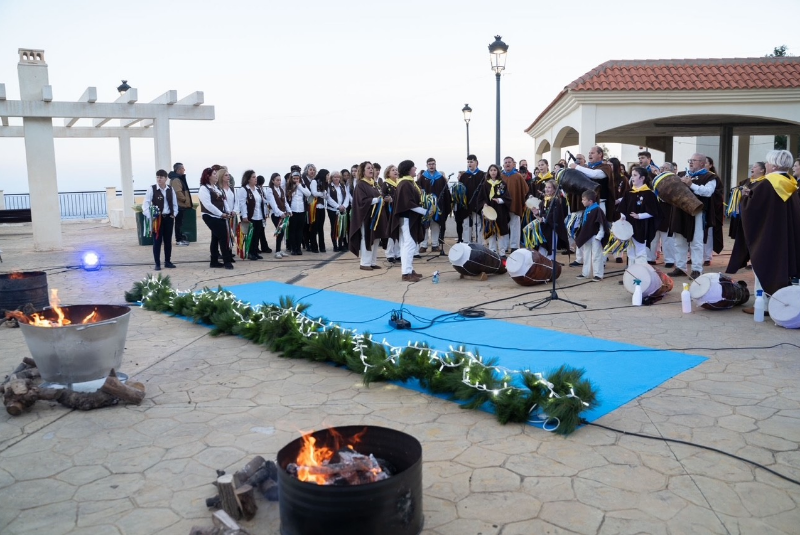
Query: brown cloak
[518, 191]
[406, 197]
[361, 213]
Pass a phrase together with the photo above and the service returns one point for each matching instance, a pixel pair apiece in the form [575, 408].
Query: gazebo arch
[649, 102]
[37, 109]
[542, 146]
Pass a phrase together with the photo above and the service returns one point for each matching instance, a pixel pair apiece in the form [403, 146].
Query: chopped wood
[242, 476]
[223, 520]
[247, 500]
[128, 393]
[227, 493]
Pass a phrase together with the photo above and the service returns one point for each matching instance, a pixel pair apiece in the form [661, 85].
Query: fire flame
[40, 321]
[312, 456]
[15, 275]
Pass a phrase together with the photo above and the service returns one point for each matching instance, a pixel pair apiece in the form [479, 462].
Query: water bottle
[435, 278]
[758, 308]
[686, 299]
[637, 293]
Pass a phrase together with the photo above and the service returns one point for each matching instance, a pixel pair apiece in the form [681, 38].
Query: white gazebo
[38, 108]
[650, 102]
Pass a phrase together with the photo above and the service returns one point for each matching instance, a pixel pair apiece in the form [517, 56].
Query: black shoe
[252, 257]
[676, 273]
[259, 256]
[322, 250]
[651, 263]
[707, 263]
[695, 274]
[216, 264]
[169, 265]
[575, 264]
[390, 259]
[267, 250]
[157, 268]
[669, 265]
[314, 250]
[417, 256]
[233, 260]
[618, 260]
[228, 265]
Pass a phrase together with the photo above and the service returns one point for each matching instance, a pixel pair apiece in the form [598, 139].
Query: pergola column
[162, 143]
[40, 153]
[743, 158]
[587, 133]
[793, 144]
[126, 177]
[726, 155]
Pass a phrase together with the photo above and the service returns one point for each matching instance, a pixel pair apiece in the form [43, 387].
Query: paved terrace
[216, 402]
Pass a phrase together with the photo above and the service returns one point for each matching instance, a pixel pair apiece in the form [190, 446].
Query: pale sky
[338, 82]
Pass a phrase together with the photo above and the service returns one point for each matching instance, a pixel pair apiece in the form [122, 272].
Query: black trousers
[333, 217]
[318, 230]
[179, 224]
[219, 238]
[262, 237]
[296, 225]
[165, 238]
[279, 237]
[258, 236]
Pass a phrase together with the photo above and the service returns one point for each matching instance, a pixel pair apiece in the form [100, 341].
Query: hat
[295, 173]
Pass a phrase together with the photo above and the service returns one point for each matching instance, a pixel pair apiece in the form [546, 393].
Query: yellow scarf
[783, 185]
[391, 182]
[544, 178]
[547, 200]
[369, 181]
[644, 187]
[493, 183]
[411, 179]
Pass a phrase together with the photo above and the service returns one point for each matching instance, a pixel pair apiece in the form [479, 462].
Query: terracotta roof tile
[691, 74]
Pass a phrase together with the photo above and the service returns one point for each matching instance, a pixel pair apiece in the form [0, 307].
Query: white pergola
[38, 109]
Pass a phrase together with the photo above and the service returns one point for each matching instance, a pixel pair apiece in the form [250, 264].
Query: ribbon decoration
[376, 213]
[282, 226]
[231, 228]
[244, 236]
[428, 201]
[533, 235]
[572, 224]
[490, 228]
[615, 245]
[460, 195]
[312, 211]
[342, 225]
[152, 225]
[734, 201]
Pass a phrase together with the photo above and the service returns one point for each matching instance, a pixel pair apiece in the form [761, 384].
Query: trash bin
[189, 224]
[140, 230]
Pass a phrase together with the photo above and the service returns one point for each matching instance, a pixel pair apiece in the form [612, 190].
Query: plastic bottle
[758, 308]
[435, 277]
[637, 293]
[686, 299]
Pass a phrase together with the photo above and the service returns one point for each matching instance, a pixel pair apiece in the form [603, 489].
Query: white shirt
[591, 173]
[205, 200]
[257, 212]
[231, 201]
[318, 194]
[296, 206]
[273, 204]
[706, 190]
[148, 201]
[341, 193]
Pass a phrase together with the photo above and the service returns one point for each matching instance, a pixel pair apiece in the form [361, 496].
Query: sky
[338, 82]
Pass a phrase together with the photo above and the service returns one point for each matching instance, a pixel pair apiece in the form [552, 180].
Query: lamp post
[497, 51]
[123, 87]
[467, 111]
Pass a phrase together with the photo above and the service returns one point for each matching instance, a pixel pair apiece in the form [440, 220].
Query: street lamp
[498, 51]
[124, 87]
[467, 111]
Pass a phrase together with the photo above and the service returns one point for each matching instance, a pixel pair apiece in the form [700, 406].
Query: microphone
[451, 174]
[571, 157]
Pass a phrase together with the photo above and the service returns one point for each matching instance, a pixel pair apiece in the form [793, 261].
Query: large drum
[654, 282]
[716, 291]
[784, 307]
[473, 259]
[575, 182]
[669, 188]
[528, 268]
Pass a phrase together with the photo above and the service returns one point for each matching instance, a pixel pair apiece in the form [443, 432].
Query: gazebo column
[726, 155]
[793, 144]
[40, 153]
[126, 177]
[588, 129]
[743, 158]
[162, 144]
[669, 149]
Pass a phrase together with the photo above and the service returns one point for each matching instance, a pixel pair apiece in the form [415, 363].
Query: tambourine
[489, 213]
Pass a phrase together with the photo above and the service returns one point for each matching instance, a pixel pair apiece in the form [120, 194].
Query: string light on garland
[557, 399]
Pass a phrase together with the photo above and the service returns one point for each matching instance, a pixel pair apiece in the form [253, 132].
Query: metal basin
[82, 352]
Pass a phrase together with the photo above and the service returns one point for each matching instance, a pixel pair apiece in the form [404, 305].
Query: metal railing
[73, 204]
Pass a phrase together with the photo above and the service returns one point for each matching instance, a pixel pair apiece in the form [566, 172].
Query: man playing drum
[432, 182]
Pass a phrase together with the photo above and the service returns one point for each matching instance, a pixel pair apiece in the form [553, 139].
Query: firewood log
[130, 393]
[227, 493]
[247, 500]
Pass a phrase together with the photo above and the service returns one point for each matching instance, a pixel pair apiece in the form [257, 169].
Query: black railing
[73, 204]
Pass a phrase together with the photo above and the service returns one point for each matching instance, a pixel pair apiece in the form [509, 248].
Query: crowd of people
[567, 209]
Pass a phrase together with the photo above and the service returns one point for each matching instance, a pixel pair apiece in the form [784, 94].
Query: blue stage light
[90, 261]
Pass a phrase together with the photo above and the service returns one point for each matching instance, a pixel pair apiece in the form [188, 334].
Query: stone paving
[214, 403]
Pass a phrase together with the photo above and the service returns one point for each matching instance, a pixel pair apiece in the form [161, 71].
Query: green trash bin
[140, 230]
[189, 224]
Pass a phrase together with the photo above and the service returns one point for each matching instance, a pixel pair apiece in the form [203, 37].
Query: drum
[622, 230]
[528, 268]
[716, 291]
[473, 259]
[784, 307]
[655, 283]
[575, 182]
[669, 188]
[489, 213]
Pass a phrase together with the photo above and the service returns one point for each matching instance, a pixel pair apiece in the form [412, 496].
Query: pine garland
[556, 401]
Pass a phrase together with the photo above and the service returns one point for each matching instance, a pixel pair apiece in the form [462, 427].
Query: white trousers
[498, 245]
[393, 248]
[408, 248]
[593, 258]
[434, 231]
[368, 258]
[708, 247]
[637, 254]
[667, 248]
[514, 229]
[683, 248]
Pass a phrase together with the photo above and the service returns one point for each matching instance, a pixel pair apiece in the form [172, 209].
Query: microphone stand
[553, 294]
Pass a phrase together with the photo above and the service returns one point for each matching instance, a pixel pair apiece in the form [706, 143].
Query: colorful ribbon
[460, 195]
[734, 201]
[342, 224]
[615, 245]
[377, 208]
[532, 233]
[572, 224]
